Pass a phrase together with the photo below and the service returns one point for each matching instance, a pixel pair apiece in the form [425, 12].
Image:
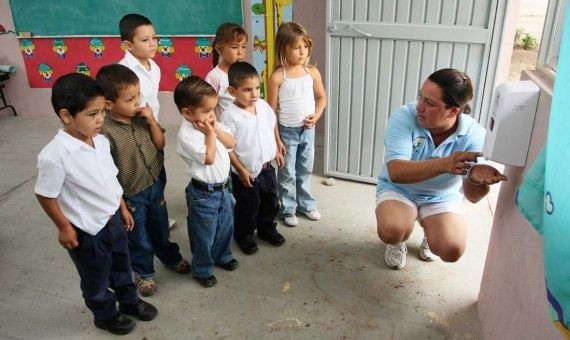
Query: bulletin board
[82, 36]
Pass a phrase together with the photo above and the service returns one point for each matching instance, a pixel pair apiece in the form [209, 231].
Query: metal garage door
[379, 52]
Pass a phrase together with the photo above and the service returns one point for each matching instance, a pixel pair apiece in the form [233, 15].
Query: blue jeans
[294, 179]
[210, 228]
[102, 261]
[150, 236]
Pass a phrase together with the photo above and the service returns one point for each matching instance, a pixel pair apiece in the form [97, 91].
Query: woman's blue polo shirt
[405, 139]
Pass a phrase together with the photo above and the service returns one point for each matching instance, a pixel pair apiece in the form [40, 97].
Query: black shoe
[119, 324]
[140, 309]
[229, 266]
[206, 281]
[272, 236]
[248, 246]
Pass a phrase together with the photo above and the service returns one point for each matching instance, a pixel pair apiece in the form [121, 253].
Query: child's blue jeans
[151, 234]
[210, 228]
[294, 179]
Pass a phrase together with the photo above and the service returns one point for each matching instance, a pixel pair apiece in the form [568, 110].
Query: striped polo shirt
[134, 153]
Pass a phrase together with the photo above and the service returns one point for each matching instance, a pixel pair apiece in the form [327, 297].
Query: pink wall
[512, 299]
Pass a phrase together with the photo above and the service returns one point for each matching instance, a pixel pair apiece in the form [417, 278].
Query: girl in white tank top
[297, 95]
[296, 99]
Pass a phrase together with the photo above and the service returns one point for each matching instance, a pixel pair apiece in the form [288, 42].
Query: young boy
[138, 36]
[203, 143]
[252, 121]
[137, 142]
[78, 189]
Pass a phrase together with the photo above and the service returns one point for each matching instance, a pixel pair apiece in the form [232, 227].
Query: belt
[209, 187]
[265, 165]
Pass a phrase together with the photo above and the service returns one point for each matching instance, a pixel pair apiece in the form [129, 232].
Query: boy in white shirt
[78, 189]
[139, 37]
[252, 121]
[203, 144]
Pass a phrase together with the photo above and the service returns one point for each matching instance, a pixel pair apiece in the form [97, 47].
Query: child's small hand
[127, 218]
[310, 121]
[281, 148]
[214, 121]
[280, 158]
[146, 113]
[246, 178]
[204, 127]
[67, 237]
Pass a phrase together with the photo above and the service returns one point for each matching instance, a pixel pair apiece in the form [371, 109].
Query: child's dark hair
[225, 34]
[115, 77]
[129, 23]
[190, 91]
[73, 91]
[239, 71]
[456, 88]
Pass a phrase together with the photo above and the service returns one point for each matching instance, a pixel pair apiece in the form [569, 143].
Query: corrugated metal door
[378, 54]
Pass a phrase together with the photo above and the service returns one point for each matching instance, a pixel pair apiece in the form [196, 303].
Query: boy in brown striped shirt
[136, 141]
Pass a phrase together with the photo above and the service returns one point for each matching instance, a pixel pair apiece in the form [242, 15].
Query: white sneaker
[171, 223]
[395, 255]
[425, 252]
[313, 215]
[291, 220]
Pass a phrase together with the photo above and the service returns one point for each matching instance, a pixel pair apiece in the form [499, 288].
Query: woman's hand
[459, 162]
[485, 174]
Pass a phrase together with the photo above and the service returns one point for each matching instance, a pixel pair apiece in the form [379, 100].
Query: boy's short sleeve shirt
[149, 81]
[254, 135]
[134, 153]
[405, 139]
[192, 148]
[81, 178]
[219, 81]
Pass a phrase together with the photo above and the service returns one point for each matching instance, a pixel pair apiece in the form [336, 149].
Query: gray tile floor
[328, 281]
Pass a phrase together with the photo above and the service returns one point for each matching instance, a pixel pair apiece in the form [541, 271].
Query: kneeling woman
[431, 150]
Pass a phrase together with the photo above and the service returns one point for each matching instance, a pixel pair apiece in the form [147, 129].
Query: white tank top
[296, 100]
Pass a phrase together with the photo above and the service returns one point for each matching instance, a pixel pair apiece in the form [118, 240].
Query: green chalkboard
[96, 18]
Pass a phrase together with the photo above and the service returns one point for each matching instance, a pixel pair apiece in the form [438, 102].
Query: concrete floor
[328, 281]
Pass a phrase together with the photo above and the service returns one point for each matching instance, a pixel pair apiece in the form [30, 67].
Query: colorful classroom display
[46, 59]
[266, 16]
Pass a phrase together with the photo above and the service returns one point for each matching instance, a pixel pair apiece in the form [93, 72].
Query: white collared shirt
[149, 81]
[254, 134]
[219, 81]
[191, 146]
[82, 179]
